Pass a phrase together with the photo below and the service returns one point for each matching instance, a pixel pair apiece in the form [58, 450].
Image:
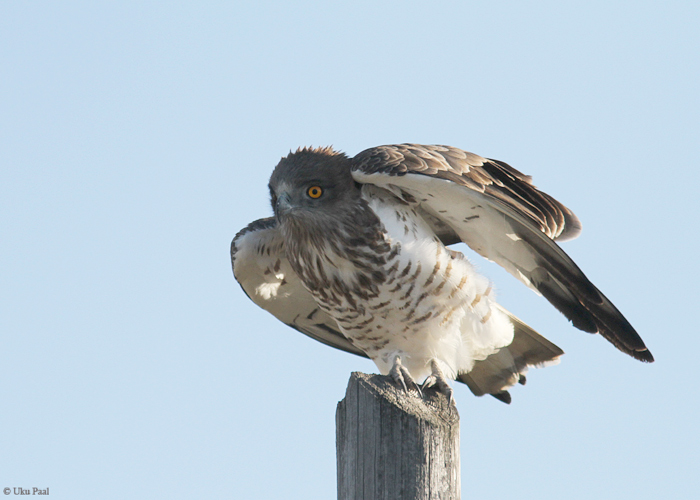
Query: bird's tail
[502, 370]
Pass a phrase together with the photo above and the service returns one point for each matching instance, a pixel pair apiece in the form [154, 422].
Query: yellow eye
[314, 192]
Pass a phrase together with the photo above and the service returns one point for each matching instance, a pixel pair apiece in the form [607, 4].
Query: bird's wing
[263, 271]
[497, 211]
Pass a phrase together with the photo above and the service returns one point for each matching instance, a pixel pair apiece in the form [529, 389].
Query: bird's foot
[438, 378]
[402, 377]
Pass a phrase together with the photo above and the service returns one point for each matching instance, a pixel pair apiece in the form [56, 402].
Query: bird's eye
[314, 192]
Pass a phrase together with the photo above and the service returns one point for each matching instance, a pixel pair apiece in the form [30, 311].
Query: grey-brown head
[312, 188]
[320, 211]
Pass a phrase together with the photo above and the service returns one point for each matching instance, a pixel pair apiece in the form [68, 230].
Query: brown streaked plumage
[362, 265]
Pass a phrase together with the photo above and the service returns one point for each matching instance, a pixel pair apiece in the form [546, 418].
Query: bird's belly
[421, 301]
[417, 333]
[432, 305]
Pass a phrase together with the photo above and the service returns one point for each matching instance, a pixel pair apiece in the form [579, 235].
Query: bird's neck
[350, 250]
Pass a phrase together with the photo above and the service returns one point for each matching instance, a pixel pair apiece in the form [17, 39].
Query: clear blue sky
[136, 138]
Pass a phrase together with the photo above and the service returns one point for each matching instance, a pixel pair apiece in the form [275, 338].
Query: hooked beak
[284, 204]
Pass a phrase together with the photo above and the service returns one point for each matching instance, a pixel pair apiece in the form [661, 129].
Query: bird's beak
[284, 204]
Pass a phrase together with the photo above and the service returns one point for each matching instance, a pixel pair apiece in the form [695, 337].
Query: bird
[357, 255]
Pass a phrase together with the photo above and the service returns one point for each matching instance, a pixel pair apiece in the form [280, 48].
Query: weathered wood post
[396, 445]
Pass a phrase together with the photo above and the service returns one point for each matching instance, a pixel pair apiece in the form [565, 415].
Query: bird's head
[312, 186]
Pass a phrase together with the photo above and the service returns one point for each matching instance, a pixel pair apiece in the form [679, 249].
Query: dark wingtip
[644, 356]
[503, 396]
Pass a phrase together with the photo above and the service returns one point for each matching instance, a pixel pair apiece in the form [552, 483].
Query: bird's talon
[402, 377]
[438, 378]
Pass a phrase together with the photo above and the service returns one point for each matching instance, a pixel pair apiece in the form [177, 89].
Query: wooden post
[396, 445]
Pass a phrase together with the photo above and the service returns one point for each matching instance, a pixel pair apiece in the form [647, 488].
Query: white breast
[434, 305]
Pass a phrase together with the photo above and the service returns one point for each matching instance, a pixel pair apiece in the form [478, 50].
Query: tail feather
[502, 370]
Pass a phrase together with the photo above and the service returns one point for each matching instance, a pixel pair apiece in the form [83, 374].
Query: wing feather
[500, 214]
[491, 177]
[261, 268]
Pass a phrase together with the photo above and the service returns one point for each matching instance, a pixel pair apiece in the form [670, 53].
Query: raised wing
[263, 271]
[497, 211]
[495, 179]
